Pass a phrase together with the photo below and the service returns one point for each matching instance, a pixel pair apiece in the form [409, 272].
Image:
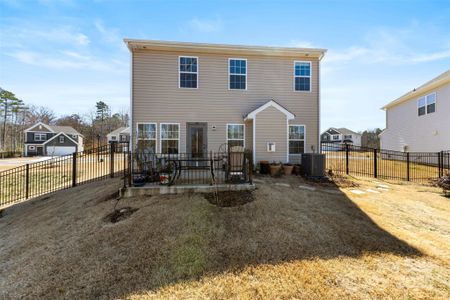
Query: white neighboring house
[341, 135]
[50, 140]
[419, 121]
[120, 135]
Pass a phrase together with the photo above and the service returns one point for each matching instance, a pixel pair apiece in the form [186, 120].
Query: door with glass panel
[197, 143]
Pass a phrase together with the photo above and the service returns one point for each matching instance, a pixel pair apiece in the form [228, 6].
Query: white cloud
[110, 35]
[206, 25]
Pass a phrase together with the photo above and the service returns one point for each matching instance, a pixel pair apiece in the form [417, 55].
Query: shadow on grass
[281, 225]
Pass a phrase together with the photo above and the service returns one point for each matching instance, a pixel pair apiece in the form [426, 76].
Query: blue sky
[69, 54]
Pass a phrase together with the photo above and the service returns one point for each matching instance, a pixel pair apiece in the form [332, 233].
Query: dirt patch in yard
[120, 214]
[230, 198]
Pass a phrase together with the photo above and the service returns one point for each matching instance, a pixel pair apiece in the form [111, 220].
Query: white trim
[61, 136]
[226, 133]
[39, 123]
[160, 137]
[58, 134]
[287, 140]
[131, 143]
[272, 103]
[424, 97]
[310, 75]
[304, 139]
[40, 134]
[254, 140]
[156, 133]
[179, 72]
[229, 74]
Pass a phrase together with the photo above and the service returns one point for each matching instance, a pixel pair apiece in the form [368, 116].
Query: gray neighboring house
[341, 135]
[419, 121]
[195, 98]
[120, 135]
[49, 140]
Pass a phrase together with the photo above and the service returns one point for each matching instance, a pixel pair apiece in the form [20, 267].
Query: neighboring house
[194, 98]
[49, 140]
[341, 135]
[419, 121]
[120, 135]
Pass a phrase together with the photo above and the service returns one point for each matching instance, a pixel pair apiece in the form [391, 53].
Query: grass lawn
[390, 242]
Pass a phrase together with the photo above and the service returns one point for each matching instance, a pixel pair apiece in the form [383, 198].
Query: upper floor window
[40, 137]
[302, 76]
[61, 139]
[188, 69]
[146, 137]
[235, 135]
[170, 138]
[296, 139]
[237, 73]
[426, 104]
[336, 137]
[348, 137]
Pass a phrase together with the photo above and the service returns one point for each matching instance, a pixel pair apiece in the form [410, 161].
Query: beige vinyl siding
[430, 132]
[157, 97]
[271, 126]
[249, 134]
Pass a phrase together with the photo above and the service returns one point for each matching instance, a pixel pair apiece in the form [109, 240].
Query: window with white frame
[61, 139]
[237, 68]
[146, 137]
[296, 139]
[302, 76]
[170, 138]
[336, 137]
[426, 104]
[40, 137]
[188, 69]
[348, 137]
[235, 135]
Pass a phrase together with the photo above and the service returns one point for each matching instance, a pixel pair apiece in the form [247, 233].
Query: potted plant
[275, 169]
[287, 168]
[264, 167]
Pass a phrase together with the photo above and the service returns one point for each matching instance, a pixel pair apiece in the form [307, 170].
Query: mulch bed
[230, 198]
[120, 214]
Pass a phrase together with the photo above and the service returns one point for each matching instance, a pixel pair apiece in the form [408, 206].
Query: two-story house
[341, 136]
[194, 98]
[419, 121]
[120, 135]
[49, 140]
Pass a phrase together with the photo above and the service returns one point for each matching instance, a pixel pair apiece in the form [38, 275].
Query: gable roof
[133, 44]
[434, 83]
[59, 134]
[341, 130]
[119, 130]
[272, 103]
[55, 128]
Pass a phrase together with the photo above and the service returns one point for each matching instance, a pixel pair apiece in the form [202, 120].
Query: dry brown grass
[287, 243]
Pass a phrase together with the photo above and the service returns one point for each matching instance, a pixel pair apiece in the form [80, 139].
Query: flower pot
[287, 169]
[297, 170]
[164, 178]
[275, 170]
[264, 167]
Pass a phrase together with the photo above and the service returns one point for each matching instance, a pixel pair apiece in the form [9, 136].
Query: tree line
[16, 116]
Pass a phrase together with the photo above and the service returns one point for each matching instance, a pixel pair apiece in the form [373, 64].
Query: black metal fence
[386, 164]
[191, 168]
[39, 178]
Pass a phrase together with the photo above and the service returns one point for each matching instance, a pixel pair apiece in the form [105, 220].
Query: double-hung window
[426, 104]
[188, 69]
[235, 135]
[237, 68]
[335, 137]
[39, 137]
[296, 139]
[302, 76]
[170, 138]
[146, 137]
[348, 137]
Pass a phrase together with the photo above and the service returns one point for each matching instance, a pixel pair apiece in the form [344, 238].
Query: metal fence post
[130, 171]
[375, 165]
[440, 164]
[346, 159]
[407, 166]
[250, 167]
[111, 159]
[74, 169]
[27, 181]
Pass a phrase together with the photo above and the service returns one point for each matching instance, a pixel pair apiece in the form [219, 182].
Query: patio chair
[236, 168]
